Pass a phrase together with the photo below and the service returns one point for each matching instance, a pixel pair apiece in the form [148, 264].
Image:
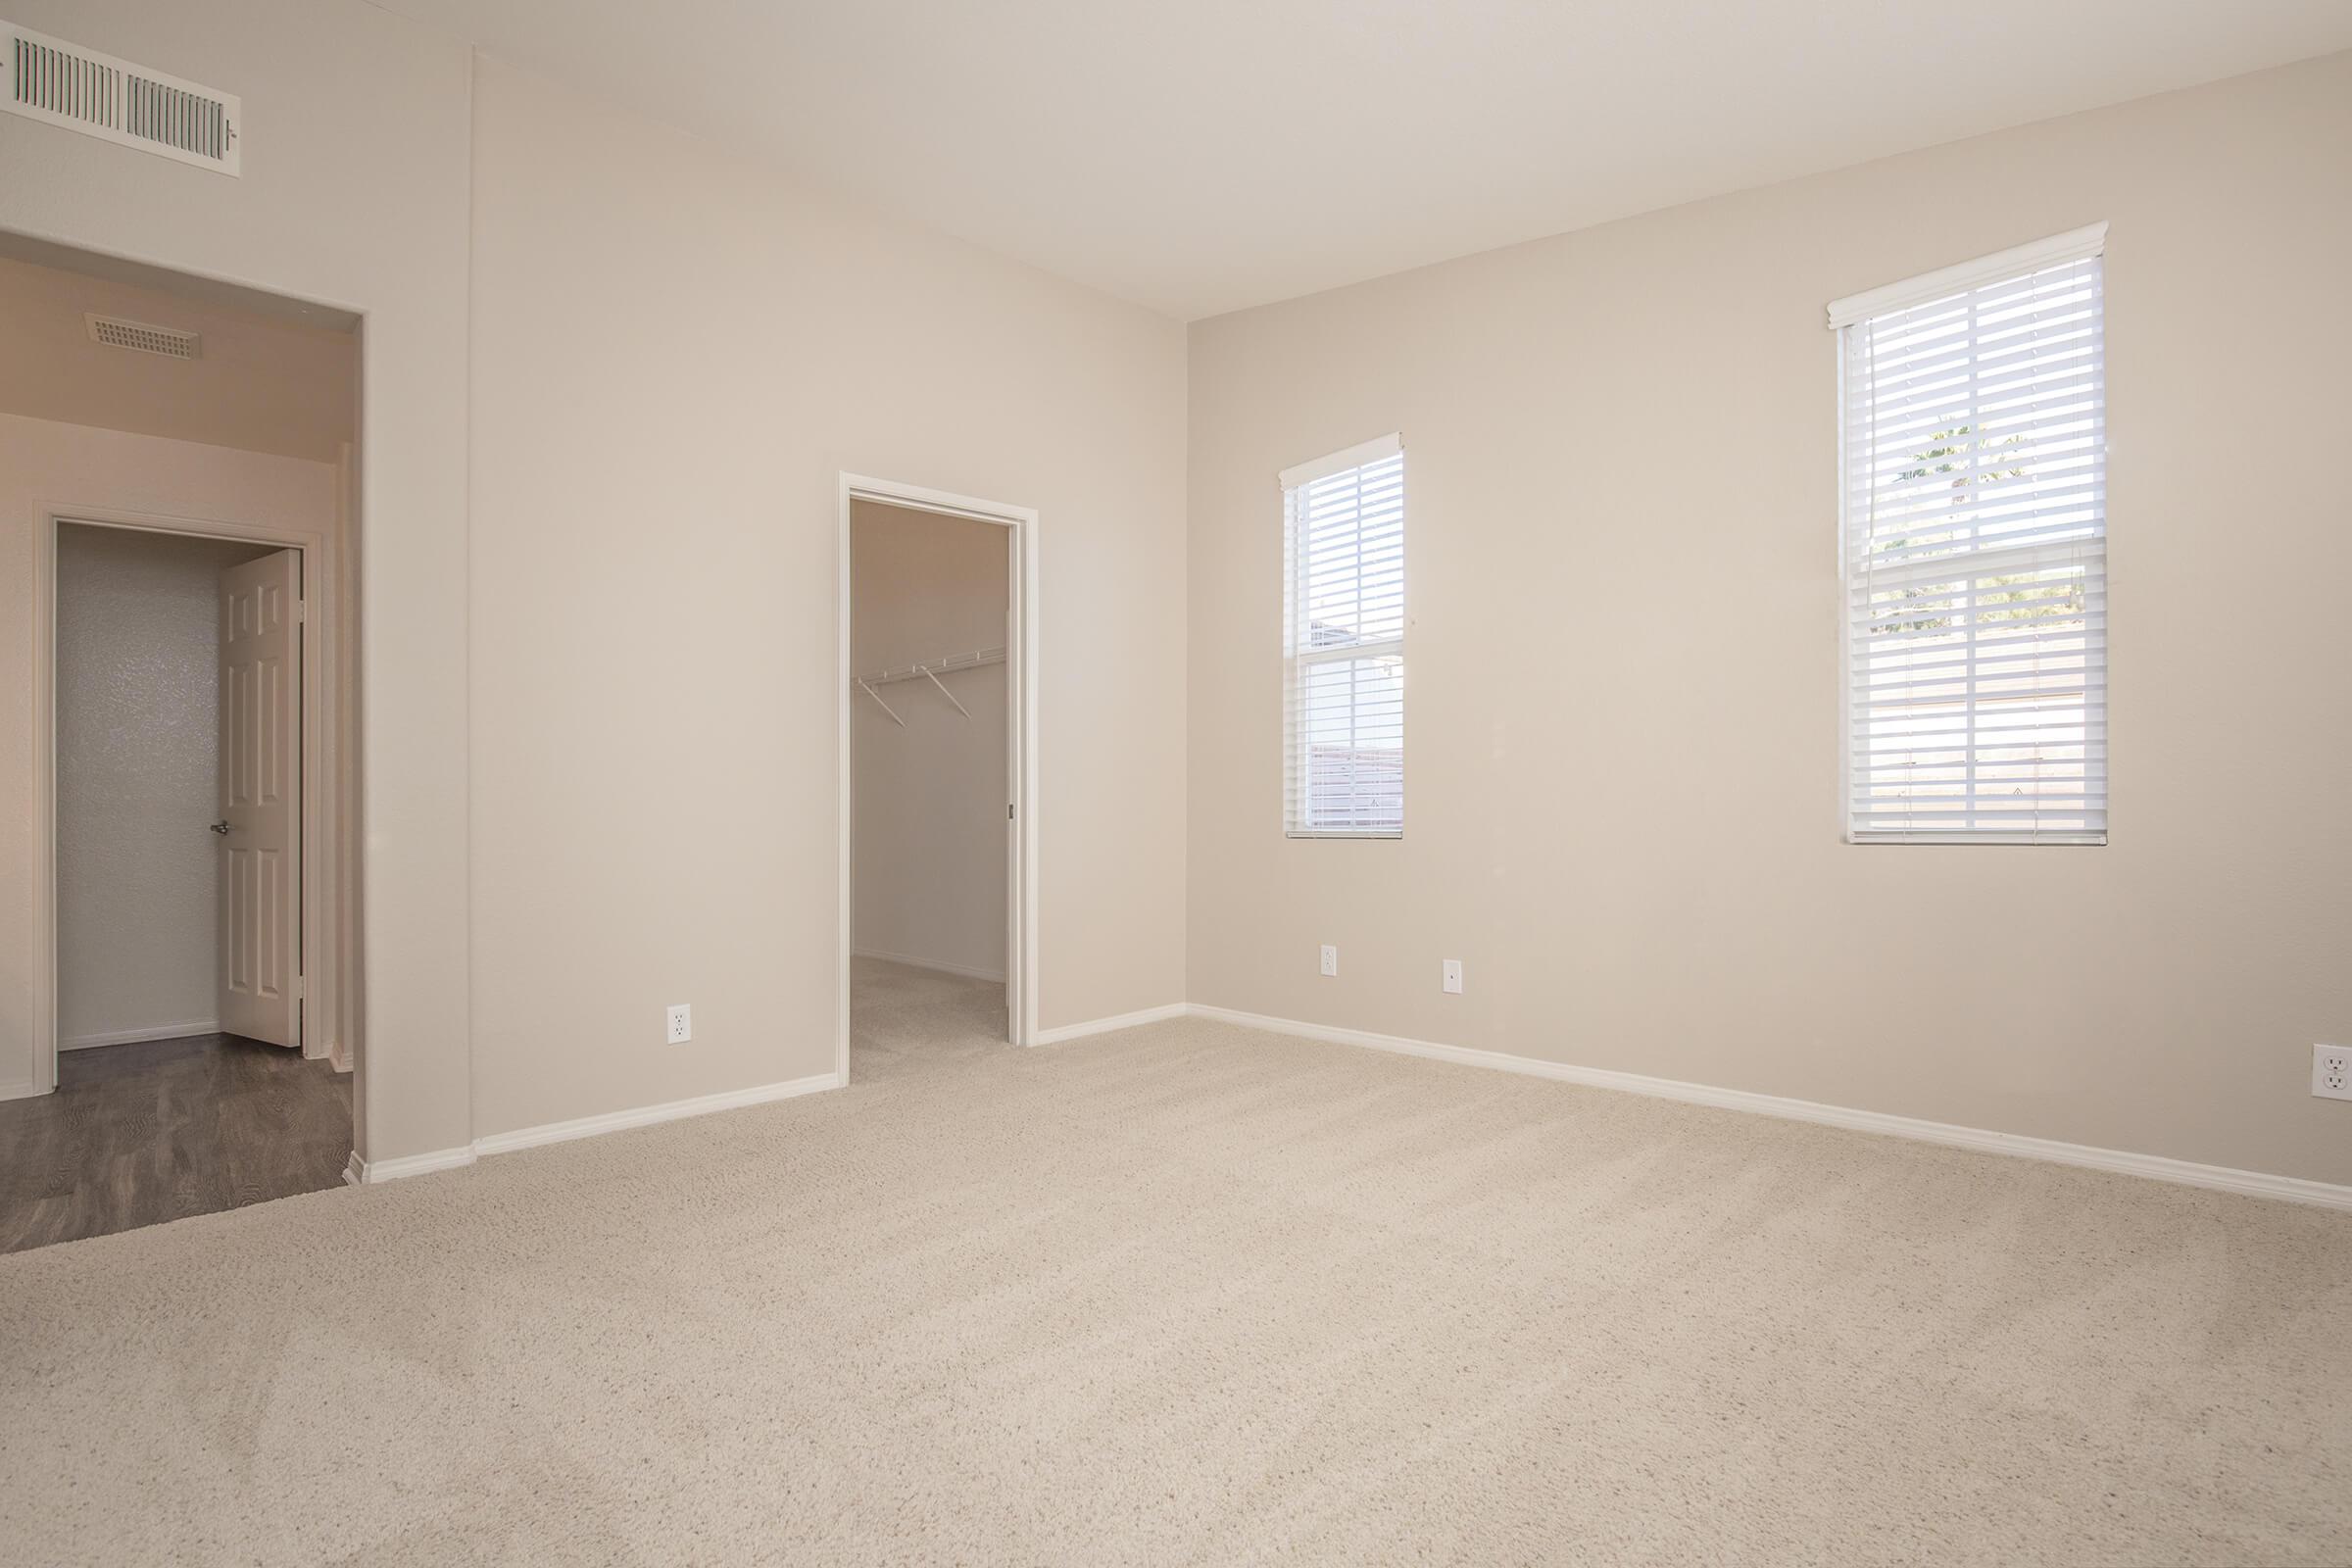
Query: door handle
[221, 827]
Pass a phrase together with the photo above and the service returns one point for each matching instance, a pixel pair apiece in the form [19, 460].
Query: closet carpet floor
[1191, 1294]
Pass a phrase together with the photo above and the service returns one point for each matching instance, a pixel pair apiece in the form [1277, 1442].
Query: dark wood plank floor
[144, 1133]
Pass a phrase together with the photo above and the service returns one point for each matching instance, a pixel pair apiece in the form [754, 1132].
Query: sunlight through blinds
[1975, 448]
[1344, 645]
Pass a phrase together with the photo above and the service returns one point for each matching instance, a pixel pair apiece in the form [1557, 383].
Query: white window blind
[1975, 455]
[1342, 712]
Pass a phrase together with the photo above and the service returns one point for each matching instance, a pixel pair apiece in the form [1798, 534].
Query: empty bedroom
[1238, 783]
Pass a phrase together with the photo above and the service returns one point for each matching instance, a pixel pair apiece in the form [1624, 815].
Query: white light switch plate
[681, 1023]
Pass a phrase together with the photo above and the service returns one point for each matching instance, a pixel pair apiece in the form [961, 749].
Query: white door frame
[322, 829]
[1020, 744]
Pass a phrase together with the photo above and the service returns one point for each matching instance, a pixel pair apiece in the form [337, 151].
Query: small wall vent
[169, 341]
[48, 79]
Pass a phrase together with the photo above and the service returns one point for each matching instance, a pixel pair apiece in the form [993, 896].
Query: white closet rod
[934, 668]
[930, 672]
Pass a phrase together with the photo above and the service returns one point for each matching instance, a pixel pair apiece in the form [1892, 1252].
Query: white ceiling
[1198, 155]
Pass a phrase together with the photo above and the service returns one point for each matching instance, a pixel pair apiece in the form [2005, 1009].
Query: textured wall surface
[928, 806]
[1623, 710]
[655, 569]
[138, 719]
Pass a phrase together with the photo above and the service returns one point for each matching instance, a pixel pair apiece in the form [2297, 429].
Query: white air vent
[148, 338]
[46, 78]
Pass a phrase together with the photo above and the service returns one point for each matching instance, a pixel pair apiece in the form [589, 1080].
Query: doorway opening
[937, 819]
[178, 703]
[188, 491]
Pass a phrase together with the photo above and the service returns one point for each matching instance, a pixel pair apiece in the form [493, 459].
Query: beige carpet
[1191, 1295]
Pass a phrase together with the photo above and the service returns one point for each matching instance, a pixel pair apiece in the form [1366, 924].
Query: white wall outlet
[1453, 976]
[2331, 1072]
[1331, 959]
[681, 1023]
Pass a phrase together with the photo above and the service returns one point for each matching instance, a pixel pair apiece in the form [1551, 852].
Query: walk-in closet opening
[933, 829]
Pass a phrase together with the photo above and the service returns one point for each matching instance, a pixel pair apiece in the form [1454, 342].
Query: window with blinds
[1343, 644]
[1975, 458]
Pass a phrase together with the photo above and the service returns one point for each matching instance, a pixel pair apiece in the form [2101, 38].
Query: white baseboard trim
[1102, 1026]
[365, 1173]
[2156, 1167]
[370, 1172]
[18, 1091]
[910, 961]
[612, 1121]
[132, 1037]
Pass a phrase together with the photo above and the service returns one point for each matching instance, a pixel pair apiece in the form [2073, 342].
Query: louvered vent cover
[98, 95]
[116, 333]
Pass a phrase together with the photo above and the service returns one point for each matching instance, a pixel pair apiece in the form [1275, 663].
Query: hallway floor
[162, 1129]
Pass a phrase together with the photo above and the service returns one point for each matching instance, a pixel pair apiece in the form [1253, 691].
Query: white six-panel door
[261, 795]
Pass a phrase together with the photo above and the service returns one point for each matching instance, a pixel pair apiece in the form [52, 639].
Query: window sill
[1891, 837]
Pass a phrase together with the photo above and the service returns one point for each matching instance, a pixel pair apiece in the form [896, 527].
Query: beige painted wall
[139, 751]
[258, 383]
[928, 804]
[675, 355]
[354, 193]
[46, 466]
[1623, 700]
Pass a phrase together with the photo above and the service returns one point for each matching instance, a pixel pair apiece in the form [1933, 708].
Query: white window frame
[2018, 262]
[1298, 662]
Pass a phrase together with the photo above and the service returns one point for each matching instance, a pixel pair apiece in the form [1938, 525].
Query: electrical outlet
[681, 1023]
[1331, 959]
[1453, 976]
[2331, 1072]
